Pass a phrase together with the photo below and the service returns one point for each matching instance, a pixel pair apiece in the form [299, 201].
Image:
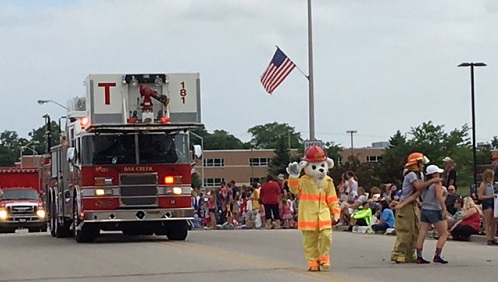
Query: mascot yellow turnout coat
[318, 205]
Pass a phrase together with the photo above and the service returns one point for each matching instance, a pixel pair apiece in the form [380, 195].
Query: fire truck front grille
[21, 210]
[138, 190]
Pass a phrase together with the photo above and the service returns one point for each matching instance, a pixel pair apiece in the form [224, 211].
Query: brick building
[248, 166]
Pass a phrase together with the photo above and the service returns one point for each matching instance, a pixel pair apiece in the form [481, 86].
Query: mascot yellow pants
[316, 245]
[407, 223]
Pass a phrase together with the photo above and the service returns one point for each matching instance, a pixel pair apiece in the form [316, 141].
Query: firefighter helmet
[315, 154]
[416, 157]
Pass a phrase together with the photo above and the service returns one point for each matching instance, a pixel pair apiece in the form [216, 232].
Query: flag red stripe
[284, 71]
[268, 75]
[279, 68]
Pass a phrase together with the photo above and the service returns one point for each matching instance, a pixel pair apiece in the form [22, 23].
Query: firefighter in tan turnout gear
[318, 205]
[407, 214]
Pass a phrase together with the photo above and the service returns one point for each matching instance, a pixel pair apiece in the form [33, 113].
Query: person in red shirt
[470, 222]
[270, 195]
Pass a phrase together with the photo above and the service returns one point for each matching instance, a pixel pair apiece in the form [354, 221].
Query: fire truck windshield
[137, 148]
[19, 194]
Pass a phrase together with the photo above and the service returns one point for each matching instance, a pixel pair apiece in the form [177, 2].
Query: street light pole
[472, 94]
[202, 156]
[352, 132]
[41, 102]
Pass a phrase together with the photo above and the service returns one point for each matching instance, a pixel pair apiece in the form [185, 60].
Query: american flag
[278, 69]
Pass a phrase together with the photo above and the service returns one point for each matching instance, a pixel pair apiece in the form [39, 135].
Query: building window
[213, 182]
[214, 162]
[259, 161]
[374, 159]
[256, 180]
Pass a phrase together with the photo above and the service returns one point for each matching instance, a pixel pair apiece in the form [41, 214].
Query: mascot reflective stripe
[317, 201]
[313, 202]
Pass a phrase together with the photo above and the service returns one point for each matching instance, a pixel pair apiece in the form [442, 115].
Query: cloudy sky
[380, 65]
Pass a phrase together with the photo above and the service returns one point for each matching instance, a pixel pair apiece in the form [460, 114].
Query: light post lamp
[41, 102]
[202, 155]
[472, 65]
[27, 146]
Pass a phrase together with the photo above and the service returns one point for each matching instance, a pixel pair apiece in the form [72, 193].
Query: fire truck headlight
[99, 192]
[177, 190]
[40, 213]
[3, 214]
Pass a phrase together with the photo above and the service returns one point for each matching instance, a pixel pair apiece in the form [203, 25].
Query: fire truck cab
[124, 162]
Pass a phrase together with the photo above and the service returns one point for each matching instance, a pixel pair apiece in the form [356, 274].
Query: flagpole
[310, 76]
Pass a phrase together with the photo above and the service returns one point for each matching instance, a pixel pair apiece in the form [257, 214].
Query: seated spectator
[386, 218]
[246, 211]
[362, 217]
[348, 208]
[374, 203]
[450, 200]
[470, 222]
[452, 219]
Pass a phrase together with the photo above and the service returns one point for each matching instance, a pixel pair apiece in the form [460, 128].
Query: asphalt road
[235, 255]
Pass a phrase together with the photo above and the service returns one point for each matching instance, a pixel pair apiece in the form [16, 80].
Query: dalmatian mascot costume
[318, 205]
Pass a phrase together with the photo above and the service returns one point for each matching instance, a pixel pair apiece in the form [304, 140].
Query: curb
[430, 235]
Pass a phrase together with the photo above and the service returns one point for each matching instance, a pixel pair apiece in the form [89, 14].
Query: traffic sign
[309, 143]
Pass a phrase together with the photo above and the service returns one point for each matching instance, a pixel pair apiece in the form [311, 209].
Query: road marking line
[323, 276]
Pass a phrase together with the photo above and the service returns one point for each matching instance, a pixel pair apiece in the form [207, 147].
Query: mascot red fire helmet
[315, 154]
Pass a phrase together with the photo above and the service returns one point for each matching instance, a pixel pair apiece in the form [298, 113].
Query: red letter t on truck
[107, 91]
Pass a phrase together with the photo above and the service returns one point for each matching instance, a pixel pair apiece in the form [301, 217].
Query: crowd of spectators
[267, 205]
[271, 205]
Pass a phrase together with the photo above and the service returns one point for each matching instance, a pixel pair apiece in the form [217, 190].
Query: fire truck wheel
[51, 214]
[87, 234]
[61, 230]
[177, 231]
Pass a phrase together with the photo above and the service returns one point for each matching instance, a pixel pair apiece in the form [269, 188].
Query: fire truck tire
[61, 230]
[51, 214]
[177, 231]
[87, 234]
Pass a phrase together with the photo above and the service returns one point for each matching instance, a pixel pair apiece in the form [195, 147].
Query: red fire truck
[124, 163]
[21, 205]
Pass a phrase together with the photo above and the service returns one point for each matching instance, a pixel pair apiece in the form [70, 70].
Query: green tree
[494, 143]
[7, 156]
[483, 154]
[40, 135]
[218, 140]
[334, 152]
[281, 159]
[393, 159]
[10, 144]
[268, 136]
[435, 143]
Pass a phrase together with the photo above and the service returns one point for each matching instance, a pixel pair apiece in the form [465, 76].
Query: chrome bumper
[138, 215]
[23, 219]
